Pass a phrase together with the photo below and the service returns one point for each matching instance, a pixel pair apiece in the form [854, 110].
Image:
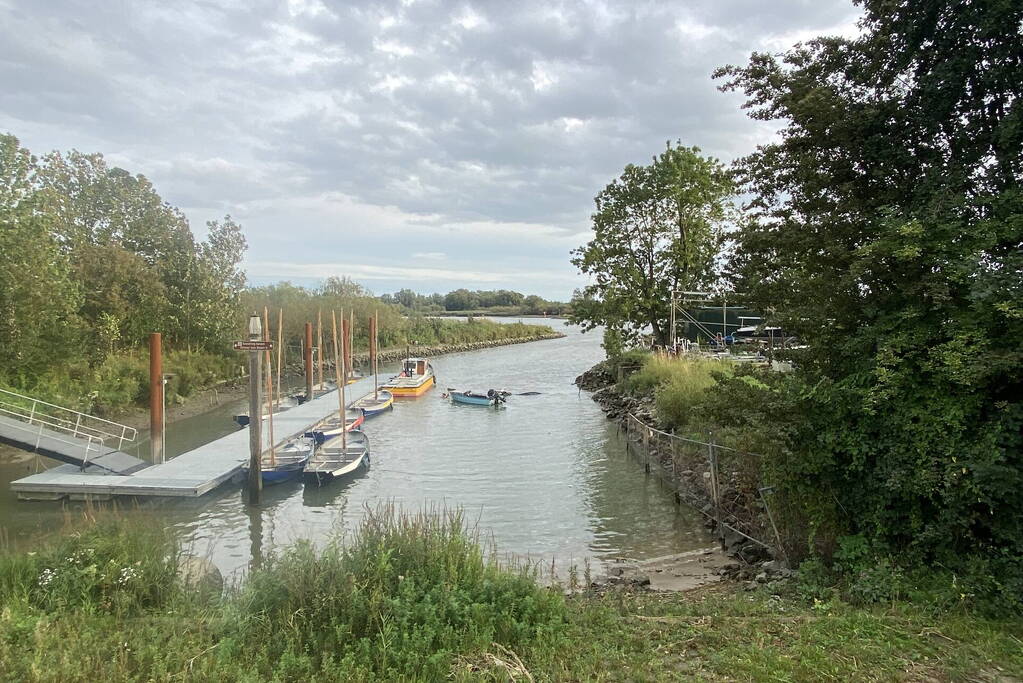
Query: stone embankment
[740, 560]
[391, 355]
[421, 350]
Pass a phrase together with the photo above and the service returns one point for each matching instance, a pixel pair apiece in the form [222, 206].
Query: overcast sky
[431, 145]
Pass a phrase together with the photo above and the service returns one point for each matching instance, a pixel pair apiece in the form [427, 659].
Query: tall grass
[678, 384]
[409, 594]
[407, 597]
[110, 565]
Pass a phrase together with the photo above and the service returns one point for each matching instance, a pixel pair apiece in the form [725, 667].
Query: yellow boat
[415, 379]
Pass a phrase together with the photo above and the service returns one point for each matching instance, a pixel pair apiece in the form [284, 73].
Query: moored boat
[415, 379]
[286, 462]
[282, 406]
[338, 457]
[493, 397]
[330, 427]
[374, 405]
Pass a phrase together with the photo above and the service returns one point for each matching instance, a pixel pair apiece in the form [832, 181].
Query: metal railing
[94, 431]
[721, 482]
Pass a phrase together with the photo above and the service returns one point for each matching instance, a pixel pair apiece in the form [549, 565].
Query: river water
[546, 477]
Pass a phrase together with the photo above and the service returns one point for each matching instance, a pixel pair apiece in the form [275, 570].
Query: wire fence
[721, 482]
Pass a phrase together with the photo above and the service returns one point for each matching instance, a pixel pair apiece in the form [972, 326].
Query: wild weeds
[407, 594]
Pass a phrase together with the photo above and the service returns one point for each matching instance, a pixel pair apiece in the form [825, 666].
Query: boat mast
[373, 322]
[269, 384]
[340, 385]
[280, 358]
[344, 350]
[319, 347]
[350, 344]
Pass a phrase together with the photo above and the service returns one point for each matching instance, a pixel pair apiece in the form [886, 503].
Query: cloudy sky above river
[431, 145]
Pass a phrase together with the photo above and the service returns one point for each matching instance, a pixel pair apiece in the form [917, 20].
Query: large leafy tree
[656, 228]
[38, 297]
[888, 230]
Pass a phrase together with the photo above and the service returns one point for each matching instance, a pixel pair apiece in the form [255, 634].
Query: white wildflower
[46, 577]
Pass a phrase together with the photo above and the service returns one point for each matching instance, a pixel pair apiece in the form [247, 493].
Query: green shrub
[399, 602]
[107, 566]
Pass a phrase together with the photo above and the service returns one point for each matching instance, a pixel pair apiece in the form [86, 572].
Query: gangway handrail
[32, 415]
[89, 439]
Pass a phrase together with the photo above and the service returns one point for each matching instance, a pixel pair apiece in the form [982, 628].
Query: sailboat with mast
[289, 461]
[349, 451]
[381, 399]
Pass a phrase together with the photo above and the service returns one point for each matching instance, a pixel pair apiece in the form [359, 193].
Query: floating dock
[190, 474]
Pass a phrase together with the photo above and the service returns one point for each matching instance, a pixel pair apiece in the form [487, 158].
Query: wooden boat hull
[406, 391]
[371, 407]
[329, 428]
[289, 463]
[334, 460]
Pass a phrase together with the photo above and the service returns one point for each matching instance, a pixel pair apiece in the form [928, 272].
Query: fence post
[674, 470]
[770, 517]
[713, 465]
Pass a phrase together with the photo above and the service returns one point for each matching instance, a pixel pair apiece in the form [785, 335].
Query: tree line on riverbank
[884, 226]
[485, 302]
[92, 260]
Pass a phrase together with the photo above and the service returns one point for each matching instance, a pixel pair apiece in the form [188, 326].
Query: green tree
[887, 228]
[124, 296]
[657, 228]
[38, 298]
[461, 300]
[216, 282]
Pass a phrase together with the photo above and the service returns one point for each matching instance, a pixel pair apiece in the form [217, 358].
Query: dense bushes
[122, 380]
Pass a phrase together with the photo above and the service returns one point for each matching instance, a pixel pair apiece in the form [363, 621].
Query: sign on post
[253, 345]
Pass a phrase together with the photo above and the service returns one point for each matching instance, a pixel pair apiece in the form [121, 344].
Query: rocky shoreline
[738, 559]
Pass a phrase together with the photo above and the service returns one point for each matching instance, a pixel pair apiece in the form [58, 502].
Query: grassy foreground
[416, 598]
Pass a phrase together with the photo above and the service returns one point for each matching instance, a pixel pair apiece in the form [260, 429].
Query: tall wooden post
[373, 352]
[255, 412]
[156, 417]
[309, 361]
[346, 330]
[319, 348]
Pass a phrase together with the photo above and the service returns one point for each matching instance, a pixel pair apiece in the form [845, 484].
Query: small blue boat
[491, 398]
[286, 463]
[373, 406]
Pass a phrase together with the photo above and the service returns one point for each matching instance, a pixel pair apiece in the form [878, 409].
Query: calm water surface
[546, 476]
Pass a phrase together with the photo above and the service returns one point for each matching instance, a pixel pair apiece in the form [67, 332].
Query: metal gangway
[67, 435]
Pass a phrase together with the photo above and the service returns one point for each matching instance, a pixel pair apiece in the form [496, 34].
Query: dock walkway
[190, 474]
[61, 446]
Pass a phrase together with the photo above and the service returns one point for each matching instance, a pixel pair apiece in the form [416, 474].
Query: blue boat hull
[472, 400]
[283, 473]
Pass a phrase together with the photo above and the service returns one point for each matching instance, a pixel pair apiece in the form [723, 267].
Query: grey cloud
[244, 105]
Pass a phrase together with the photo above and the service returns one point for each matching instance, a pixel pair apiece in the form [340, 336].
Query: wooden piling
[309, 361]
[255, 413]
[156, 417]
